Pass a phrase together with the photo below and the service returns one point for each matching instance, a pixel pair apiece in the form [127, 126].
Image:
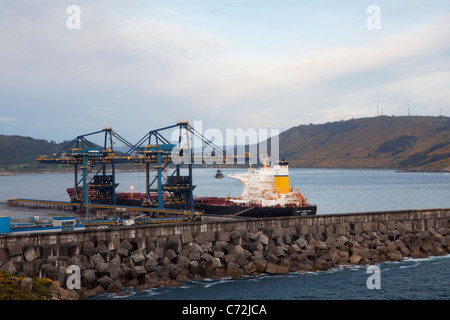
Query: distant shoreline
[411, 170]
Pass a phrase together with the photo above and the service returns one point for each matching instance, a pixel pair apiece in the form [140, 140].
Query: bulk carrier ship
[266, 194]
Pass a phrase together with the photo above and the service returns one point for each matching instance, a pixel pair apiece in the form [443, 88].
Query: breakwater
[166, 255]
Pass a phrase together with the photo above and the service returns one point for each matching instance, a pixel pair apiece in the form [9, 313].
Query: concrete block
[250, 268]
[175, 243]
[126, 244]
[355, 259]
[399, 226]
[301, 242]
[223, 236]
[140, 271]
[256, 246]
[152, 265]
[4, 255]
[30, 254]
[241, 259]
[113, 244]
[260, 264]
[74, 248]
[15, 249]
[262, 238]
[281, 269]
[45, 250]
[105, 282]
[407, 226]
[31, 268]
[195, 267]
[26, 284]
[137, 258]
[234, 270]
[312, 229]
[101, 266]
[382, 228]
[303, 230]
[199, 239]
[267, 231]
[429, 223]
[390, 225]
[210, 236]
[277, 232]
[236, 237]
[183, 261]
[9, 267]
[186, 237]
[63, 262]
[329, 229]
[290, 231]
[174, 270]
[366, 226]
[140, 243]
[61, 250]
[357, 227]
[271, 268]
[206, 257]
[277, 251]
[97, 258]
[89, 250]
[214, 263]
[342, 228]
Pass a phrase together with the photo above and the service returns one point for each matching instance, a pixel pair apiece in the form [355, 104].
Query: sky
[139, 65]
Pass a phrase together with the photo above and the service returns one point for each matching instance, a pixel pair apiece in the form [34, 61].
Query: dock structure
[95, 181]
[188, 215]
[154, 152]
[155, 255]
[165, 195]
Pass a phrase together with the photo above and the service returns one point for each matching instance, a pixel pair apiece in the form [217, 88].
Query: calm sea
[333, 191]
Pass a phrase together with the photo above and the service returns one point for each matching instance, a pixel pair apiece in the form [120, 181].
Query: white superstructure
[268, 187]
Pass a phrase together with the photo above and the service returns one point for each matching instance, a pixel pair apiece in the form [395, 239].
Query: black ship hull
[254, 211]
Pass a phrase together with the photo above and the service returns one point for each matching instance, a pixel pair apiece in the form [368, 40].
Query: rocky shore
[154, 261]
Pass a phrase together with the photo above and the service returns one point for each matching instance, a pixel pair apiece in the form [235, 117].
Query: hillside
[19, 153]
[410, 143]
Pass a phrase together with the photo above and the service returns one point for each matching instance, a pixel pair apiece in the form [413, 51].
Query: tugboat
[266, 194]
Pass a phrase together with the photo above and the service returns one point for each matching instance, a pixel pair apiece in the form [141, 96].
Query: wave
[215, 282]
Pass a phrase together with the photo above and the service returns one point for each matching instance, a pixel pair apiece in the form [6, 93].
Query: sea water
[418, 279]
[333, 191]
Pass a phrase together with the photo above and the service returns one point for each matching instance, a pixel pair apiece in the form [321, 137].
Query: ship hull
[233, 210]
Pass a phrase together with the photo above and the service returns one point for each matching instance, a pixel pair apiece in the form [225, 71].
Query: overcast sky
[141, 65]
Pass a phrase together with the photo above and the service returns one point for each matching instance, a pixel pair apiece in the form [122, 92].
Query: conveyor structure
[95, 168]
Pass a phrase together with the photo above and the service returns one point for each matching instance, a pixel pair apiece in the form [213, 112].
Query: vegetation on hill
[409, 143]
[18, 154]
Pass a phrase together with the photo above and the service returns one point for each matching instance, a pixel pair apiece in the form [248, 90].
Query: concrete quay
[166, 255]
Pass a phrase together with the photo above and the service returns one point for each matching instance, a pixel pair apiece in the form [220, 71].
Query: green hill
[410, 143]
[18, 154]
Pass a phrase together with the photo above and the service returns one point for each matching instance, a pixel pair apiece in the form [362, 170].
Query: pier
[62, 205]
[166, 255]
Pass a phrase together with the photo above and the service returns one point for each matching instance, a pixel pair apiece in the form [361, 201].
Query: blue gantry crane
[168, 192]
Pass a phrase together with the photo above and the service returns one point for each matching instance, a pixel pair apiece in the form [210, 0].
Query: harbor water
[333, 191]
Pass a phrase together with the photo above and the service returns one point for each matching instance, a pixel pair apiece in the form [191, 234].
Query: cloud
[8, 120]
[140, 74]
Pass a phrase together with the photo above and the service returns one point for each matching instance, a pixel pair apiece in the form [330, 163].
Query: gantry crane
[167, 190]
